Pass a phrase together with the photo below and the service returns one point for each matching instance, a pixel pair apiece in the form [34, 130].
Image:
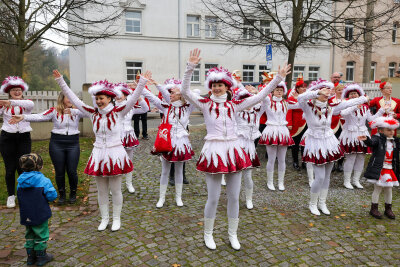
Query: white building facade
[157, 35]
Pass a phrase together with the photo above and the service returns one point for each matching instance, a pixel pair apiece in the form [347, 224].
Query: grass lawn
[42, 148]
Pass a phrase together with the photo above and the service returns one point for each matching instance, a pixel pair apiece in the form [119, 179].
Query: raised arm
[79, 104]
[143, 107]
[154, 100]
[164, 92]
[379, 113]
[349, 103]
[136, 94]
[348, 111]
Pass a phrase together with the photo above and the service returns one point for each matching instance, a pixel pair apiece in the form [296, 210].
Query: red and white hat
[353, 87]
[282, 85]
[13, 82]
[124, 88]
[172, 83]
[104, 88]
[218, 75]
[319, 84]
[241, 94]
[384, 122]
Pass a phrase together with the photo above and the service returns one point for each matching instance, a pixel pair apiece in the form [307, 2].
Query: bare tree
[290, 24]
[28, 21]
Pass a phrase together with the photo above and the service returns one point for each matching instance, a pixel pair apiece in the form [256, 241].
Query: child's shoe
[388, 211]
[31, 256]
[42, 257]
[374, 211]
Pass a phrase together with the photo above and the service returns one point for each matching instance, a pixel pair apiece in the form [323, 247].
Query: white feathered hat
[13, 82]
[384, 122]
[282, 85]
[218, 75]
[104, 88]
[124, 88]
[241, 94]
[172, 83]
[351, 88]
[320, 83]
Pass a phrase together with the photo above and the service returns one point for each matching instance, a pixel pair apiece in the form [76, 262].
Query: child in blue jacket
[34, 191]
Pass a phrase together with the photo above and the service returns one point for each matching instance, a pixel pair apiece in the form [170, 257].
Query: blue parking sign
[268, 49]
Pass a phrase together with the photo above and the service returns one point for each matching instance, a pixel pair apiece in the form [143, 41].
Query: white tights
[273, 153]
[248, 181]
[322, 175]
[104, 185]
[387, 193]
[214, 191]
[354, 162]
[166, 167]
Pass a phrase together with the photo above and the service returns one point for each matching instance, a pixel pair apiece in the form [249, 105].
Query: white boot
[356, 180]
[129, 185]
[163, 191]
[249, 198]
[116, 217]
[270, 181]
[310, 173]
[322, 202]
[223, 182]
[178, 195]
[11, 202]
[313, 203]
[232, 232]
[347, 177]
[208, 231]
[104, 217]
[281, 179]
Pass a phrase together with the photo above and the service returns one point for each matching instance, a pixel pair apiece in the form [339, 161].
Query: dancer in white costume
[128, 137]
[355, 119]
[322, 148]
[177, 112]
[109, 160]
[248, 122]
[222, 152]
[276, 134]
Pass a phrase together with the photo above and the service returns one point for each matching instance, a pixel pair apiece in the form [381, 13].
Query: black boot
[171, 181]
[61, 197]
[31, 256]
[339, 166]
[185, 181]
[296, 166]
[43, 257]
[72, 197]
[303, 165]
[388, 211]
[374, 211]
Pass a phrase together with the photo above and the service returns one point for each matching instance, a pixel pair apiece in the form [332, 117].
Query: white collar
[219, 99]
[177, 103]
[107, 109]
[277, 98]
[321, 104]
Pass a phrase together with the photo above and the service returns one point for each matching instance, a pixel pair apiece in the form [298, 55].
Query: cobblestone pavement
[278, 231]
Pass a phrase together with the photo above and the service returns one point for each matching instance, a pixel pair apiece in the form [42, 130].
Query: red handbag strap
[169, 109]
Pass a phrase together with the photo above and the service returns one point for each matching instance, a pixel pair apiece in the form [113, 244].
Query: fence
[43, 99]
[371, 89]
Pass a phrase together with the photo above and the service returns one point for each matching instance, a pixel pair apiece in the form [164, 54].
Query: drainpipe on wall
[333, 45]
[179, 38]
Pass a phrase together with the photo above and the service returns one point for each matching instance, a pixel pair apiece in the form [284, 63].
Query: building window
[313, 73]
[211, 27]
[133, 21]
[248, 29]
[348, 30]
[265, 27]
[373, 71]
[193, 26]
[261, 70]
[394, 32]
[132, 68]
[297, 71]
[350, 71]
[392, 69]
[207, 67]
[248, 73]
[196, 75]
[314, 27]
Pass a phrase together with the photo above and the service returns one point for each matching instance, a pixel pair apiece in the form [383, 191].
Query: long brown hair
[60, 103]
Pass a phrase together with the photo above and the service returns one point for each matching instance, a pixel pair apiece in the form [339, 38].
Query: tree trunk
[21, 38]
[20, 61]
[369, 24]
[292, 54]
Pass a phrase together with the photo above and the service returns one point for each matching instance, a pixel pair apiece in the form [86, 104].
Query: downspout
[333, 45]
[179, 37]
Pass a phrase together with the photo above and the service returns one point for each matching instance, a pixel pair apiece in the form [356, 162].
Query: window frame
[244, 71]
[296, 72]
[392, 68]
[261, 71]
[313, 71]
[352, 69]
[134, 68]
[373, 71]
[207, 69]
[196, 72]
[394, 33]
[192, 26]
[248, 27]
[210, 27]
[349, 30]
[133, 19]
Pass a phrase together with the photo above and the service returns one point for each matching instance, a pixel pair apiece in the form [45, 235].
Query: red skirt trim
[237, 166]
[178, 157]
[321, 160]
[255, 163]
[351, 149]
[130, 141]
[287, 141]
[115, 170]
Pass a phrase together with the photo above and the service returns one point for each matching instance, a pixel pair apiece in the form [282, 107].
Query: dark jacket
[375, 164]
[34, 191]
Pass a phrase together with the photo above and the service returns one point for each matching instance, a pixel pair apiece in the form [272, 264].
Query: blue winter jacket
[34, 191]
